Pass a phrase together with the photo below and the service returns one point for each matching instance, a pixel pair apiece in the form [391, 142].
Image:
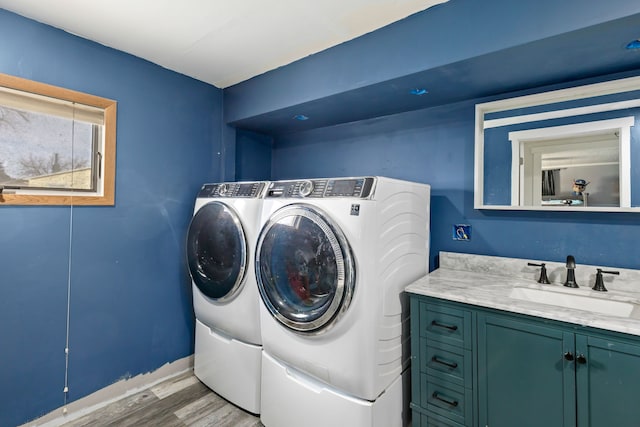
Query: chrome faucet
[571, 273]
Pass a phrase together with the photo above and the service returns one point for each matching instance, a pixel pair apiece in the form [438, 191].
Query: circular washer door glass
[304, 268]
[217, 251]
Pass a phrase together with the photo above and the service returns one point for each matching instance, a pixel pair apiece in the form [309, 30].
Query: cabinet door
[608, 382]
[524, 379]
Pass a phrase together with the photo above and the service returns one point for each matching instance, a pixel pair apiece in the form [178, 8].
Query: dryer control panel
[250, 190]
[361, 188]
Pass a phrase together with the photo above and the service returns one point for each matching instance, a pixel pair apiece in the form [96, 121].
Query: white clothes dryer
[332, 260]
[220, 255]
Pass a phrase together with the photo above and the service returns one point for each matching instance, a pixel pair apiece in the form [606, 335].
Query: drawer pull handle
[436, 396]
[442, 362]
[442, 325]
[581, 359]
[568, 356]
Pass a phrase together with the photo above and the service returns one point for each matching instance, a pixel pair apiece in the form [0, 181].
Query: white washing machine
[332, 259]
[220, 255]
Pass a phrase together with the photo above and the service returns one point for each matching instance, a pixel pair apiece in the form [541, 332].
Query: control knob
[306, 187]
[223, 189]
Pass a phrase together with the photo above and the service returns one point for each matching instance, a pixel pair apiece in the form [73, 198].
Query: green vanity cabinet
[534, 374]
[474, 366]
[524, 379]
[441, 364]
[607, 381]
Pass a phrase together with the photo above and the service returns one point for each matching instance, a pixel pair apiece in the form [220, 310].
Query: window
[57, 146]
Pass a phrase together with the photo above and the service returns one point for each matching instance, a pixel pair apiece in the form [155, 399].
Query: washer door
[217, 251]
[304, 268]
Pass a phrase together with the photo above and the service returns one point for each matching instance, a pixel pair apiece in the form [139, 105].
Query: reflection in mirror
[572, 165]
[570, 149]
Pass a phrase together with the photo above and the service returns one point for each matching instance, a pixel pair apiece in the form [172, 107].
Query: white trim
[116, 391]
[558, 208]
[478, 160]
[516, 172]
[579, 92]
[625, 166]
[574, 129]
[556, 114]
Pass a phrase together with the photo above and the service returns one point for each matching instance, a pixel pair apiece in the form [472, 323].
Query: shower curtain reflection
[549, 179]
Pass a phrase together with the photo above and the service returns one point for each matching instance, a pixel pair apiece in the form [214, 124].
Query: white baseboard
[111, 393]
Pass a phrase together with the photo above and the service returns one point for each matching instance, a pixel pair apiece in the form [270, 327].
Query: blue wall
[431, 48]
[460, 51]
[130, 295]
[253, 156]
[436, 146]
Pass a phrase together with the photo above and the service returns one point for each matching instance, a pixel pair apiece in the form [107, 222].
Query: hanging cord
[66, 345]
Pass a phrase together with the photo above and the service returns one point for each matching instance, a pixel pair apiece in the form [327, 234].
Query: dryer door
[217, 251]
[304, 268]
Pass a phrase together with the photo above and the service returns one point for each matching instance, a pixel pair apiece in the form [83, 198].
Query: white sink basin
[571, 298]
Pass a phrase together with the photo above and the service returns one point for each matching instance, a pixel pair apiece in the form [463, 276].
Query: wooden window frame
[105, 195]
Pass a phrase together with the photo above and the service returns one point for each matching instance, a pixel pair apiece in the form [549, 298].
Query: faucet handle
[599, 285]
[543, 272]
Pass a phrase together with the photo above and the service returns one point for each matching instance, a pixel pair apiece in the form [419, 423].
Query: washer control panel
[251, 190]
[361, 188]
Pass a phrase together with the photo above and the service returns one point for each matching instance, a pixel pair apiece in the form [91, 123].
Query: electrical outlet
[462, 232]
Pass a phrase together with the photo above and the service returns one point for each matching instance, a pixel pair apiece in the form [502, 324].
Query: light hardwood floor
[179, 401]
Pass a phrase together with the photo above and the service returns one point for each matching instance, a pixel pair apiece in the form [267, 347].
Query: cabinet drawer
[445, 324]
[435, 420]
[446, 362]
[446, 399]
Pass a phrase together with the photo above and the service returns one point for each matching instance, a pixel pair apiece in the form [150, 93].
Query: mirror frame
[539, 99]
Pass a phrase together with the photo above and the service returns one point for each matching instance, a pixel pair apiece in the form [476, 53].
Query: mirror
[570, 149]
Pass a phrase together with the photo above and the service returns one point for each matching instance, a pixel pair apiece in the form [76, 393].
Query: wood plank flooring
[177, 402]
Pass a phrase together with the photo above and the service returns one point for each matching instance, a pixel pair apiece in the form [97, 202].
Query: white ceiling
[221, 42]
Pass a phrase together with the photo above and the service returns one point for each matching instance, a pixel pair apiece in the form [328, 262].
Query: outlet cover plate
[462, 232]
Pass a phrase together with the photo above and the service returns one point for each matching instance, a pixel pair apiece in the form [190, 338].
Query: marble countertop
[488, 282]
